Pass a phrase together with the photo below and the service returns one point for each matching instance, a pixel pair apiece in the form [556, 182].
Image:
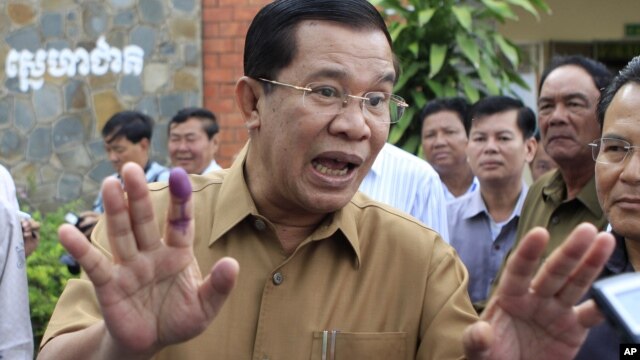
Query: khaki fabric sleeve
[447, 308]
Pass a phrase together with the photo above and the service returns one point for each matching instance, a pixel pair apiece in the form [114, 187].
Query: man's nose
[353, 121]
[631, 163]
[559, 115]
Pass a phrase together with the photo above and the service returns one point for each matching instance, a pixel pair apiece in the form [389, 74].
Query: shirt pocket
[360, 346]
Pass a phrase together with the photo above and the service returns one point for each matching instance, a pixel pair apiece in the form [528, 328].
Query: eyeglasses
[610, 150]
[330, 100]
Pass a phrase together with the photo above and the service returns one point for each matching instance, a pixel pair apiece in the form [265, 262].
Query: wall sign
[30, 67]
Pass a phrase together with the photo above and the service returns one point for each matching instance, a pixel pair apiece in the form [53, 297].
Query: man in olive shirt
[327, 273]
[563, 198]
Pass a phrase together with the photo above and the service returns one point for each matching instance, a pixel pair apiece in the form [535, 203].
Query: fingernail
[179, 184]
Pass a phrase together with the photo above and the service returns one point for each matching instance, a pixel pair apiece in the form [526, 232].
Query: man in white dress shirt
[193, 141]
[408, 183]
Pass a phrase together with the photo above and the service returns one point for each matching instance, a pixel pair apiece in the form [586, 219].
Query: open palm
[533, 315]
[151, 292]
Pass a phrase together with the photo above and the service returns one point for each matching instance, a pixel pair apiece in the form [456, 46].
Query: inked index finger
[179, 225]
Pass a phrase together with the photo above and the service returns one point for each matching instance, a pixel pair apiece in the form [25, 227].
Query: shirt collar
[235, 204]
[619, 260]
[555, 191]
[476, 204]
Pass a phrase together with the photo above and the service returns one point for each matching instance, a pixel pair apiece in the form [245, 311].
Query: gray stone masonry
[68, 65]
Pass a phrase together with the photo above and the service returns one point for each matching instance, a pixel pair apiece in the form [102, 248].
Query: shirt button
[496, 247]
[555, 220]
[260, 225]
[278, 278]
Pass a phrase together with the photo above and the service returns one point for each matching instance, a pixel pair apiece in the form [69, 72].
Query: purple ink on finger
[179, 184]
[180, 187]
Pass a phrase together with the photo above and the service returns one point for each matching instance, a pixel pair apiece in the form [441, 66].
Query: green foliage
[46, 275]
[450, 48]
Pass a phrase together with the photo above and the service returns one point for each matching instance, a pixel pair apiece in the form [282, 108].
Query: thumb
[216, 288]
[477, 340]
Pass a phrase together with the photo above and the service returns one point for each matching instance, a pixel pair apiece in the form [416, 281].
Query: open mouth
[332, 167]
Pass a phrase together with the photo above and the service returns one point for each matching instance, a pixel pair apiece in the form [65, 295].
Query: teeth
[325, 170]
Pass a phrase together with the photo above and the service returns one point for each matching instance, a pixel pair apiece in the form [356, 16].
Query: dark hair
[458, 105]
[133, 125]
[206, 117]
[270, 43]
[599, 72]
[526, 118]
[630, 73]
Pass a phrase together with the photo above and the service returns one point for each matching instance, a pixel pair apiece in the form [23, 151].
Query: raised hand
[151, 293]
[533, 315]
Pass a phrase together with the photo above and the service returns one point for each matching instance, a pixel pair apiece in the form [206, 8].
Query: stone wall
[68, 65]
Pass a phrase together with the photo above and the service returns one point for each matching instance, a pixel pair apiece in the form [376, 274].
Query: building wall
[575, 20]
[51, 114]
[225, 23]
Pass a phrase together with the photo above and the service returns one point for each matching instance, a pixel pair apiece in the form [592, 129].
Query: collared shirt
[470, 231]
[546, 205]
[8, 190]
[213, 166]
[449, 197]
[408, 183]
[390, 286]
[603, 341]
[153, 172]
[16, 337]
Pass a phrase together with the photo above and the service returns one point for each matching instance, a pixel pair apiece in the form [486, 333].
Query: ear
[530, 147]
[248, 93]
[144, 144]
[215, 144]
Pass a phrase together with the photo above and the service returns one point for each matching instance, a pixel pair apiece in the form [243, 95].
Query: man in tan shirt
[326, 273]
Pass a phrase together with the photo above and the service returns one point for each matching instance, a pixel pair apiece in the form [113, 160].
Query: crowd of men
[322, 240]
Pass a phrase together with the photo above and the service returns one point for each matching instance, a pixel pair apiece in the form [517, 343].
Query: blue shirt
[408, 183]
[470, 231]
[153, 172]
[603, 342]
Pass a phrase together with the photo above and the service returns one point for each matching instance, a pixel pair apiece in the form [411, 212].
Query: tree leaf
[395, 31]
[526, 4]
[501, 9]
[509, 50]
[419, 98]
[437, 54]
[413, 143]
[425, 15]
[414, 47]
[463, 15]
[469, 48]
[472, 93]
[408, 73]
[401, 126]
[540, 4]
[488, 80]
[436, 87]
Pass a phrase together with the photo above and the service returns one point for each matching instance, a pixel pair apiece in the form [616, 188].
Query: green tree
[450, 48]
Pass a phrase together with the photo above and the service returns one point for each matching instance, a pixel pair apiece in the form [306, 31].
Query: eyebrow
[565, 97]
[614, 136]
[388, 77]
